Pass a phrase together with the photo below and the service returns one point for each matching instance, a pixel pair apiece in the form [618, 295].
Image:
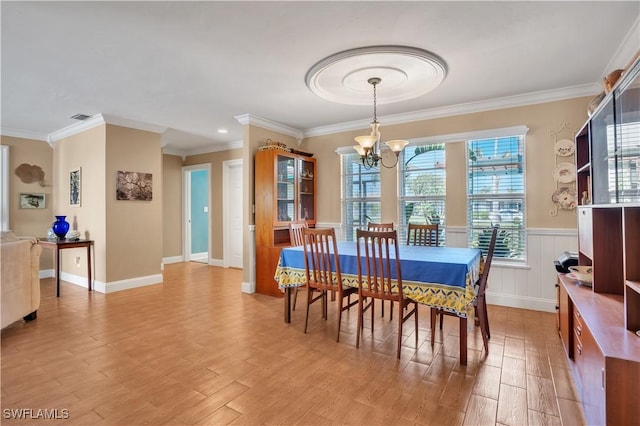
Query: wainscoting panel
[530, 285]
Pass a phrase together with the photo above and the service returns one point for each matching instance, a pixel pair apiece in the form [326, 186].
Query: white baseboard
[200, 257]
[113, 286]
[511, 301]
[172, 259]
[248, 287]
[47, 273]
[216, 262]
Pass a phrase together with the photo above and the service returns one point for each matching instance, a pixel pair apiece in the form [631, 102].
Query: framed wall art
[134, 186]
[32, 201]
[75, 187]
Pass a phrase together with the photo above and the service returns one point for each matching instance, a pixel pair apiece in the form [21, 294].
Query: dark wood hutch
[600, 325]
[285, 190]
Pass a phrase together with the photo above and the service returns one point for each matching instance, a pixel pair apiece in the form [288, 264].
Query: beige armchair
[19, 278]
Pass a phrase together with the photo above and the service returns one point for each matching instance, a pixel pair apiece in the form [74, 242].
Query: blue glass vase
[60, 227]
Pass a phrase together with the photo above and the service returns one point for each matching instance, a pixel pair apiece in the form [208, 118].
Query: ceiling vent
[80, 117]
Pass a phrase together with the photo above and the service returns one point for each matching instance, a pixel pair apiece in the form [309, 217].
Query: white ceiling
[193, 67]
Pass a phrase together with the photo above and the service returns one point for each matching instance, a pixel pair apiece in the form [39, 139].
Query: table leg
[463, 341]
[89, 265]
[287, 305]
[56, 254]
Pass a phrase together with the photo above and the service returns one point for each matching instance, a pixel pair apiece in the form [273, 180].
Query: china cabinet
[285, 190]
[600, 325]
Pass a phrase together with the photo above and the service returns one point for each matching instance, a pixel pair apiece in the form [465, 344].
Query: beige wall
[31, 222]
[87, 151]
[127, 234]
[171, 205]
[541, 119]
[134, 228]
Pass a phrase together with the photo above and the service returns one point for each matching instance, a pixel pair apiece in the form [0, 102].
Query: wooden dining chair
[378, 257]
[422, 235]
[384, 226]
[295, 238]
[479, 302]
[322, 272]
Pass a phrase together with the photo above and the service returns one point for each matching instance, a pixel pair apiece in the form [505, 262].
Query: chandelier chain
[375, 115]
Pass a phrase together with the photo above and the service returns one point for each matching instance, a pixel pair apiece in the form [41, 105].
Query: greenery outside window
[422, 188]
[496, 195]
[360, 195]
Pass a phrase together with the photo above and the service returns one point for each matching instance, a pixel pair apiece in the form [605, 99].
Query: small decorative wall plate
[565, 173]
[564, 198]
[564, 147]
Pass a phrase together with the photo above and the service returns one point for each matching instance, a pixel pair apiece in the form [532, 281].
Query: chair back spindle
[378, 227]
[374, 248]
[295, 232]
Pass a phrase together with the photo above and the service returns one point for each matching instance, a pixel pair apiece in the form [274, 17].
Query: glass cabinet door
[627, 100]
[603, 155]
[285, 182]
[307, 190]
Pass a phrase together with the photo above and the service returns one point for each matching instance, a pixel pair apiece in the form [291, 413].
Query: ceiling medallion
[407, 72]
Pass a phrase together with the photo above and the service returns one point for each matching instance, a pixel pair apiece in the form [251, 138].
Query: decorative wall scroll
[75, 187]
[564, 174]
[30, 173]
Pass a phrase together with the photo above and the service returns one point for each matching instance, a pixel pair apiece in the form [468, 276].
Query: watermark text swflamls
[35, 413]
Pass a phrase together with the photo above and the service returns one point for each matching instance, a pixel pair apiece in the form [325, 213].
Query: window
[496, 195]
[422, 188]
[360, 195]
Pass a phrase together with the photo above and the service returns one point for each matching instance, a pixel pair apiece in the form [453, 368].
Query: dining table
[438, 277]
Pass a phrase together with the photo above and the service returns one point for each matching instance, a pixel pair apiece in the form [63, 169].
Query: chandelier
[369, 145]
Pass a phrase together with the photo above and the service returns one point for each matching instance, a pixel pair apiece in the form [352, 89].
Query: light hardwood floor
[195, 350]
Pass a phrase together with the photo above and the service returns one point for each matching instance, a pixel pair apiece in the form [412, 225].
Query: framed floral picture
[75, 187]
[134, 186]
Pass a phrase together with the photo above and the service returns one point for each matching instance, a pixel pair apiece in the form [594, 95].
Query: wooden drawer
[565, 322]
[590, 365]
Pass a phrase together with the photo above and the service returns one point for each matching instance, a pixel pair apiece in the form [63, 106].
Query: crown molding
[265, 123]
[202, 150]
[100, 119]
[132, 124]
[75, 128]
[626, 51]
[468, 108]
[23, 134]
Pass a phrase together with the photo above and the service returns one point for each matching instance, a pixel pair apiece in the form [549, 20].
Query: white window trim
[4, 186]
[456, 137]
[515, 263]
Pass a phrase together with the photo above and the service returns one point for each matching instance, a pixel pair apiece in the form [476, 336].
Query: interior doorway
[196, 208]
[233, 213]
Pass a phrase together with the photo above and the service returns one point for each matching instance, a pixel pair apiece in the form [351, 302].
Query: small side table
[57, 245]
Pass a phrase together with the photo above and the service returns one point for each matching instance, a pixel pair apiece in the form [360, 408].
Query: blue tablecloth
[442, 277]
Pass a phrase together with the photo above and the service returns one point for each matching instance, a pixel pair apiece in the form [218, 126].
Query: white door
[233, 213]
